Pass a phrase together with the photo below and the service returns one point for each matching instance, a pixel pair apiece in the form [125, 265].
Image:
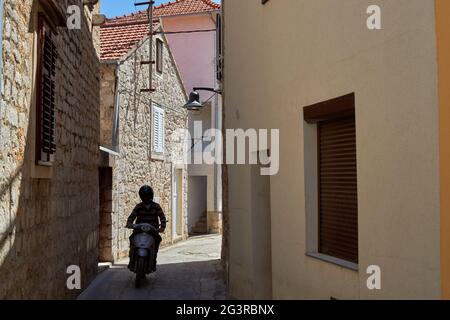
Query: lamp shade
[194, 103]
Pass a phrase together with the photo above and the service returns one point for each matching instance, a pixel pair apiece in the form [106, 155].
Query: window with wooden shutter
[158, 130]
[338, 199]
[45, 115]
[337, 177]
[159, 55]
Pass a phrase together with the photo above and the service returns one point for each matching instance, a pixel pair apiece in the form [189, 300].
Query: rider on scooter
[149, 212]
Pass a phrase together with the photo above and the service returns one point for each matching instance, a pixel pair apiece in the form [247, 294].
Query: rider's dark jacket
[153, 215]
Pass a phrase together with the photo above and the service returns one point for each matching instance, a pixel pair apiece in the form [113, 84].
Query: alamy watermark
[374, 280]
[73, 282]
[373, 22]
[74, 17]
[374, 19]
[251, 146]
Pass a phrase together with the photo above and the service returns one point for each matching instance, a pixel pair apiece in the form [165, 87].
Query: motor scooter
[142, 254]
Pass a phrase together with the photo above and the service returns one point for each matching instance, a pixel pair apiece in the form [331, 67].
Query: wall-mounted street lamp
[194, 103]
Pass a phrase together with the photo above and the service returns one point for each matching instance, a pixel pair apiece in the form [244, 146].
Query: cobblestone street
[189, 270]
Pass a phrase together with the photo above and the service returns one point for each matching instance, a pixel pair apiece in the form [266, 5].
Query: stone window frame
[55, 19]
[159, 61]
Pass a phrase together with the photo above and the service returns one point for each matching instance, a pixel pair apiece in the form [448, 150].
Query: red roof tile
[120, 34]
[117, 41]
[177, 7]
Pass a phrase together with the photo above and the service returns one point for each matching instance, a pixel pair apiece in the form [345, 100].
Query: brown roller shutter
[338, 200]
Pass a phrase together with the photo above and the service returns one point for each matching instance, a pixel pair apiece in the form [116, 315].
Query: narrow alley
[189, 270]
[273, 150]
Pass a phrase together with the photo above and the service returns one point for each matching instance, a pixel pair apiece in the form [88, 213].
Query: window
[158, 130]
[159, 55]
[337, 208]
[45, 104]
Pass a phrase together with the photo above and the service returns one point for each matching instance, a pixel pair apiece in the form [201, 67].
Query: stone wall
[48, 215]
[136, 164]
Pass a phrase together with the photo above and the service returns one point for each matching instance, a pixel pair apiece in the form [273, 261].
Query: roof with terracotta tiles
[117, 41]
[119, 35]
[185, 7]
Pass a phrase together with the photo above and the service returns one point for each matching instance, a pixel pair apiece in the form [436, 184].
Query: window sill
[339, 262]
[158, 156]
[45, 164]
[41, 171]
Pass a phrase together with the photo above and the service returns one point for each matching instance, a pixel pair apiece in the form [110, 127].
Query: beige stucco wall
[293, 53]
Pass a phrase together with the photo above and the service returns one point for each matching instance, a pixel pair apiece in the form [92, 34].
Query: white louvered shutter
[162, 131]
[158, 129]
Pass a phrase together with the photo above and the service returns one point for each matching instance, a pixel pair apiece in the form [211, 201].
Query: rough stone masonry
[48, 215]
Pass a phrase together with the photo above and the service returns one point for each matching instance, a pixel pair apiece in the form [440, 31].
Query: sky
[114, 8]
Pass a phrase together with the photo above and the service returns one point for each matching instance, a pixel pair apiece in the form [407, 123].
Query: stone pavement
[190, 270]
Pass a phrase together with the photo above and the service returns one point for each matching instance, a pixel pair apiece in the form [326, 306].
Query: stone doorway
[105, 215]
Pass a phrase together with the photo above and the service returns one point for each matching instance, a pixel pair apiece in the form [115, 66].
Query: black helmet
[146, 194]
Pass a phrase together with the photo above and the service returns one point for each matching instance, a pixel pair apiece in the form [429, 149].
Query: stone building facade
[197, 55]
[48, 211]
[130, 160]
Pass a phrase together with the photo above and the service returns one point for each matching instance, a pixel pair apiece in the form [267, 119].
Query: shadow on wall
[50, 222]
